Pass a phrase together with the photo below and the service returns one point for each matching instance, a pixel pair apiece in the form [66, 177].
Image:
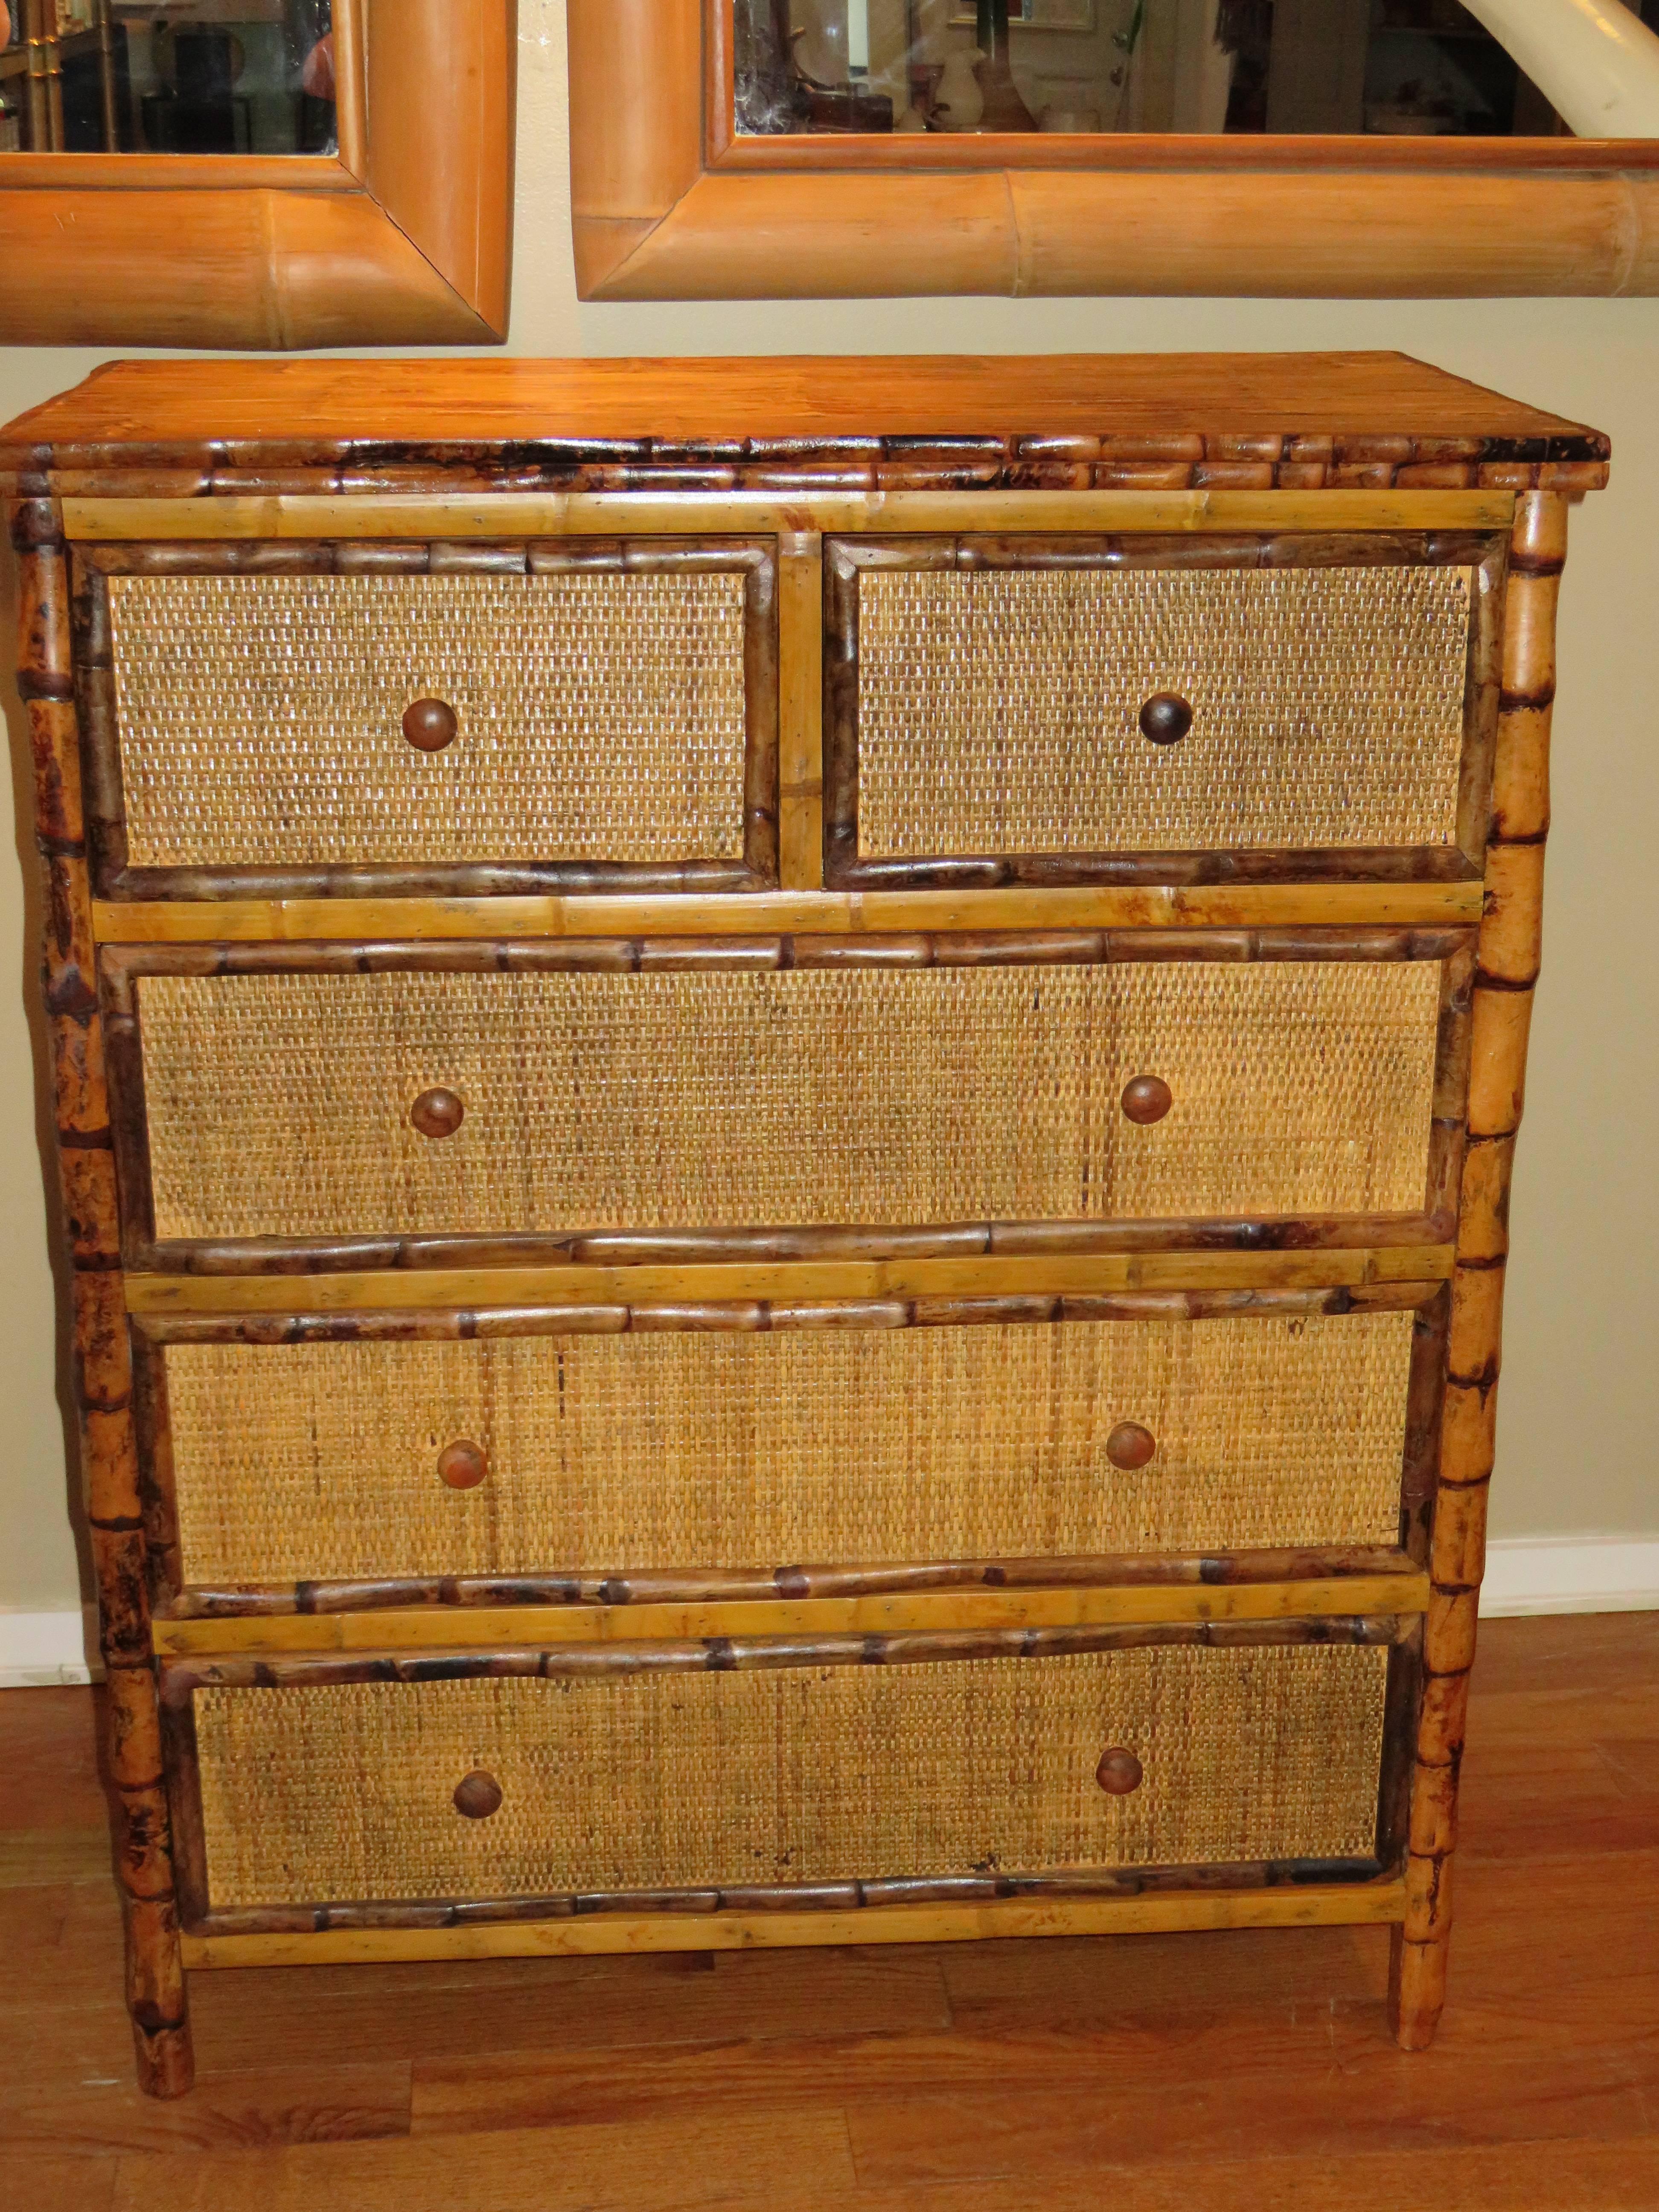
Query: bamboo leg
[103, 1358]
[1507, 970]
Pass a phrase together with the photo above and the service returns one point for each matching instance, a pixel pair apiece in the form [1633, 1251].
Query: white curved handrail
[1594, 61]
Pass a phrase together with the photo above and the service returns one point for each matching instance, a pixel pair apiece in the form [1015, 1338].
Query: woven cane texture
[801, 1774]
[318, 1462]
[997, 708]
[278, 1104]
[601, 717]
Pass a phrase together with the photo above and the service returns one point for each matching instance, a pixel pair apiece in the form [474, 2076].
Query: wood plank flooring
[1147, 2073]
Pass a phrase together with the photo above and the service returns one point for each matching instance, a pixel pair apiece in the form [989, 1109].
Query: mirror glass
[167, 76]
[1382, 67]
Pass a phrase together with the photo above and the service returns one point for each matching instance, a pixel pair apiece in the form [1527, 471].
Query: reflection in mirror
[1379, 67]
[167, 76]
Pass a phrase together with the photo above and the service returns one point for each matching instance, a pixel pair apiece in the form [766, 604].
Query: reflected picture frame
[669, 203]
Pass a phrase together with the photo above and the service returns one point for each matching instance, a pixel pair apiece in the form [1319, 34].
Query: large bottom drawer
[676, 1776]
[600, 1453]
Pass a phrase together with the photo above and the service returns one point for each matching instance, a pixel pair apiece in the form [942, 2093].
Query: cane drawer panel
[602, 716]
[319, 1462]
[280, 1104]
[791, 1774]
[998, 708]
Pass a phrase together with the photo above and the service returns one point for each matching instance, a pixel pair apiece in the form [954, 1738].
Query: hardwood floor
[1151, 2072]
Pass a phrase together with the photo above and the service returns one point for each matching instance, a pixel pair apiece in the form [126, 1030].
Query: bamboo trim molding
[416, 1628]
[1341, 1566]
[761, 913]
[1372, 1904]
[751, 1316]
[281, 517]
[801, 704]
[404, 239]
[403, 1290]
[879, 1894]
[667, 203]
[265, 1668]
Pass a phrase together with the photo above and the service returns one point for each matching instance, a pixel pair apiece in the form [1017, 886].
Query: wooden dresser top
[1350, 398]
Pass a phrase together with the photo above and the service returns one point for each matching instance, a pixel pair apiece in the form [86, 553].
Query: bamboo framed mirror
[813, 149]
[255, 173]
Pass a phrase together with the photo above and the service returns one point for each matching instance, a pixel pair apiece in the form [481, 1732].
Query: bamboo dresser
[786, 1098]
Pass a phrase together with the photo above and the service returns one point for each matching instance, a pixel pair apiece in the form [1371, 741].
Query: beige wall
[1577, 1437]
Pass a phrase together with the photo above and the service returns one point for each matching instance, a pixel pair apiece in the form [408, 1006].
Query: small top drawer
[1088, 710]
[575, 716]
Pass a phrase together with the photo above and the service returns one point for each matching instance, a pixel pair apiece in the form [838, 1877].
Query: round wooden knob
[478, 1795]
[1119, 1772]
[437, 1113]
[1147, 1098]
[462, 1466]
[1130, 1446]
[1165, 718]
[430, 724]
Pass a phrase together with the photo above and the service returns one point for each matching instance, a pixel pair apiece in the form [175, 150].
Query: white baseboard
[1524, 1574]
[1571, 1574]
[44, 1650]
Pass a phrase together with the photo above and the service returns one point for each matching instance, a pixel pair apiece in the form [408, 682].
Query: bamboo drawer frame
[325, 691]
[1338, 1573]
[124, 970]
[1157, 568]
[268, 475]
[677, 1916]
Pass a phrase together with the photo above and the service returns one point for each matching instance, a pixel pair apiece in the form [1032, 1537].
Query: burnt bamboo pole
[263, 1668]
[1506, 971]
[878, 1894]
[103, 1357]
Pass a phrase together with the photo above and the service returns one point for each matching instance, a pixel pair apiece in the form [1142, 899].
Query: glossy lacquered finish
[430, 724]
[438, 1112]
[1165, 719]
[1147, 1099]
